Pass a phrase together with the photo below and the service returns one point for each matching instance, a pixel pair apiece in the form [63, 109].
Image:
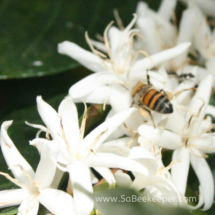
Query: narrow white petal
[118, 147]
[142, 9]
[120, 98]
[57, 178]
[144, 157]
[90, 83]
[12, 197]
[106, 174]
[165, 187]
[178, 116]
[84, 57]
[207, 6]
[201, 97]
[132, 123]
[69, 116]
[98, 96]
[160, 137]
[46, 168]
[57, 201]
[122, 179]
[115, 161]
[206, 181]
[160, 57]
[187, 26]
[105, 129]
[203, 37]
[166, 8]
[29, 206]
[180, 170]
[149, 32]
[50, 117]
[114, 36]
[13, 158]
[80, 175]
[210, 65]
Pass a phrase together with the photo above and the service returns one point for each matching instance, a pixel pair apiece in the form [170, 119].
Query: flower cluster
[157, 78]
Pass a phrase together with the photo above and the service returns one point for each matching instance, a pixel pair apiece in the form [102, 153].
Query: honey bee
[146, 97]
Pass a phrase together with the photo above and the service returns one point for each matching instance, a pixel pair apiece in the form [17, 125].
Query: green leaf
[9, 211]
[126, 201]
[31, 30]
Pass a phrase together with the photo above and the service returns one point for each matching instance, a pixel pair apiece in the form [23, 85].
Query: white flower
[160, 33]
[116, 71]
[34, 187]
[157, 183]
[190, 143]
[78, 153]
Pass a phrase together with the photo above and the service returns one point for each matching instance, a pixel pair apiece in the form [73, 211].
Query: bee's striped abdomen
[158, 102]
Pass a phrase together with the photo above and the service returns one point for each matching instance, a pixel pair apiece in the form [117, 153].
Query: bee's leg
[132, 104]
[148, 77]
[152, 119]
[145, 113]
[169, 95]
[180, 91]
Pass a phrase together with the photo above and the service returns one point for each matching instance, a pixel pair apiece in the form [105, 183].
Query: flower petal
[163, 138]
[29, 206]
[98, 96]
[50, 117]
[104, 130]
[115, 36]
[106, 174]
[149, 32]
[166, 8]
[84, 57]
[122, 179]
[160, 57]
[13, 157]
[203, 37]
[90, 83]
[117, 147]
[207, 6]
[205, 177]
[180, 170]
[120, 98]
[201, 97]
[69, 116]
[12, 197]
[144, 157]
[57, 201]
[46, 168]
[57, 178]
[187, 26]
[115, 161]
[164, 187]
[117, 133]
[80, 175]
